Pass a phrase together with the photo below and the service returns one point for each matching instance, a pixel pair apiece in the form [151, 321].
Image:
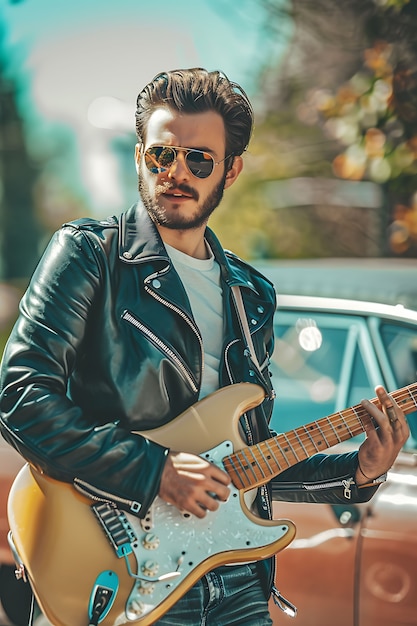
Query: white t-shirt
[201, 279]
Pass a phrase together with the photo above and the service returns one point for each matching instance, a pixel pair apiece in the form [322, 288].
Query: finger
[200, 504]
[384, 414]
[220, 475]
[209, 502]
[395, 417]
[218, 491]
[392, 416]
[194, 508]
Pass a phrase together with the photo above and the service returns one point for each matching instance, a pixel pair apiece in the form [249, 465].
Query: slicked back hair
[196, 90]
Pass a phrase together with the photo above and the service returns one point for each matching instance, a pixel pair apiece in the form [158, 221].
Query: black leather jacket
[106, 343]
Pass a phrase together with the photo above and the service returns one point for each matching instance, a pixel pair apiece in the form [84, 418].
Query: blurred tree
[342, 106]
[360, 70]
[20, 231]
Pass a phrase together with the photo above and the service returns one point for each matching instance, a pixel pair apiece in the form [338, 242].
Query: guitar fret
[322, 434]
[311, 439]
[281, 449]
[291, 448]
[238, 474]
[334, 430]
[265, 459]
[256, 463]
[273, 455]
[301, 443]
[248, 465]
[357, 416]
[412, 396]
[345, 423]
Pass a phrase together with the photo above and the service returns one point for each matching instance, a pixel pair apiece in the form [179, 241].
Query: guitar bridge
[116, 527]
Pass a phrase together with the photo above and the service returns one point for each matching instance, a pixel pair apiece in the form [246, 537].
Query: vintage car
[350, 565]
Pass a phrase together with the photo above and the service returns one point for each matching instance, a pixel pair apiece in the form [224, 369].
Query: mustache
[164, 187]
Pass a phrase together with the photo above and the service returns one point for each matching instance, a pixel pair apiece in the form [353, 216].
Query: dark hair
[196, 90]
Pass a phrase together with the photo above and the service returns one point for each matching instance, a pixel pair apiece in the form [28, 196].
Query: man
[128, 322]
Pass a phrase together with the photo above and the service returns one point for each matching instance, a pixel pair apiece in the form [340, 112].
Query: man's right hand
[192, 484]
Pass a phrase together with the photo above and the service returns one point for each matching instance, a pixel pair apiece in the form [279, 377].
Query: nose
[179, 169]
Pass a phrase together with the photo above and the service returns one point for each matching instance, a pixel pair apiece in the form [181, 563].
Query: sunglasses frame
[175, 150]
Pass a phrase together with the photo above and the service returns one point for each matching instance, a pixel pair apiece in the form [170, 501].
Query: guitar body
[72, 564]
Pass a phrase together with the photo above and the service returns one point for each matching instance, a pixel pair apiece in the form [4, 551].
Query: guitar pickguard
[179, 548]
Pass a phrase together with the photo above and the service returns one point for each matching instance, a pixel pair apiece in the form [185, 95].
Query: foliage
[342, 105]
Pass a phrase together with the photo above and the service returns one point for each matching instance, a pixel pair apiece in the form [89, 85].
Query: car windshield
[400, 344]
[324, 363]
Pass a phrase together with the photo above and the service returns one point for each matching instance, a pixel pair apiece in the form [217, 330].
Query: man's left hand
[386, 432]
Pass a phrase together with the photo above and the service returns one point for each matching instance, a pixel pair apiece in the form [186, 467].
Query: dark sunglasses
[159, 159]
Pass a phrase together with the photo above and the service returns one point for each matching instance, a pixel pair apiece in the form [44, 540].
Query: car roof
[397, 313]
[388, 281]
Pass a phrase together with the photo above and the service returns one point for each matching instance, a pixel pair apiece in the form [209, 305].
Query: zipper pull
[285, 605]
[347, 490]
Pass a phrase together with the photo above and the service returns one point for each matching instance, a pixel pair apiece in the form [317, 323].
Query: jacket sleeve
[37, 415]
[323, 478]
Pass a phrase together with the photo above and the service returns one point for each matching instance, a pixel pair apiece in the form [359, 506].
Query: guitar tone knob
[134, 609]
[150, 568]
[145, 588]
[151, 541]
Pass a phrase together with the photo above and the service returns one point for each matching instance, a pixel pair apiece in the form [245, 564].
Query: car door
[322, 363]
[387, 549]
[386, 590]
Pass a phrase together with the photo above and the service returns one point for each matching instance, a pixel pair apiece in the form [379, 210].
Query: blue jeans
[227, 596]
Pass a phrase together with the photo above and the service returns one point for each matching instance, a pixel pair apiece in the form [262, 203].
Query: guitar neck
[255, 465]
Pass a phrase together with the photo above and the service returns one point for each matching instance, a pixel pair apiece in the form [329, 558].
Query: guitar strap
[244, 324]
[285, 605]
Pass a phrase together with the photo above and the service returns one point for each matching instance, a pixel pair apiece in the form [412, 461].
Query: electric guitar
[90, 563]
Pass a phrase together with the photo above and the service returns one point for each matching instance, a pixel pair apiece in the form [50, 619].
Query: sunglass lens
[159, 158]
[201, 164]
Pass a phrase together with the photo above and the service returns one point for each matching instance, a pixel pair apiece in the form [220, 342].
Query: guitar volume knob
[151, 542]
[150, 568]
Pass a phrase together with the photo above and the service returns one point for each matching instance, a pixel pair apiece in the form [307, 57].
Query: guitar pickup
[116, 527]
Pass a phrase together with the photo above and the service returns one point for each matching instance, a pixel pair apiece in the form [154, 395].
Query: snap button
[260, 309]
[127, 255]
[253, 322]
[156, 283]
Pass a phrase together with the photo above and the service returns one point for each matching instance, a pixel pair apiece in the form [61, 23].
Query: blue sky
[73, 58]
[96, 47]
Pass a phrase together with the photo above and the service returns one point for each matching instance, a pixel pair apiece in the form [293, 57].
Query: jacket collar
[139, 241]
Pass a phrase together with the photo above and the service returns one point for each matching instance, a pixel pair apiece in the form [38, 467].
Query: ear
[234, 171]
[137, 156]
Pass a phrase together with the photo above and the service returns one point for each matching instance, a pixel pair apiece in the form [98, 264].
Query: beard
[175, 220]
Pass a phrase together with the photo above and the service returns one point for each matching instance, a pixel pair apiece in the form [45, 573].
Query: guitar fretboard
[255, 465]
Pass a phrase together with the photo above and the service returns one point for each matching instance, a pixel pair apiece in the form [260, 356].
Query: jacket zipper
[226, 352]
[179, 312]
[345, 483]
[99, 495]
[162, 346]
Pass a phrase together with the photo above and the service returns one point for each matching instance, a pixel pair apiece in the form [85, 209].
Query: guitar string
[348, 417]
[357, 412]
[294, 439]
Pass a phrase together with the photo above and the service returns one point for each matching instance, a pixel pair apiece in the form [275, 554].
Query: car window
[318, 367]
[400, 343]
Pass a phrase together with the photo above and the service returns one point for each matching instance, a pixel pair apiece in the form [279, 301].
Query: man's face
[176, 198]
